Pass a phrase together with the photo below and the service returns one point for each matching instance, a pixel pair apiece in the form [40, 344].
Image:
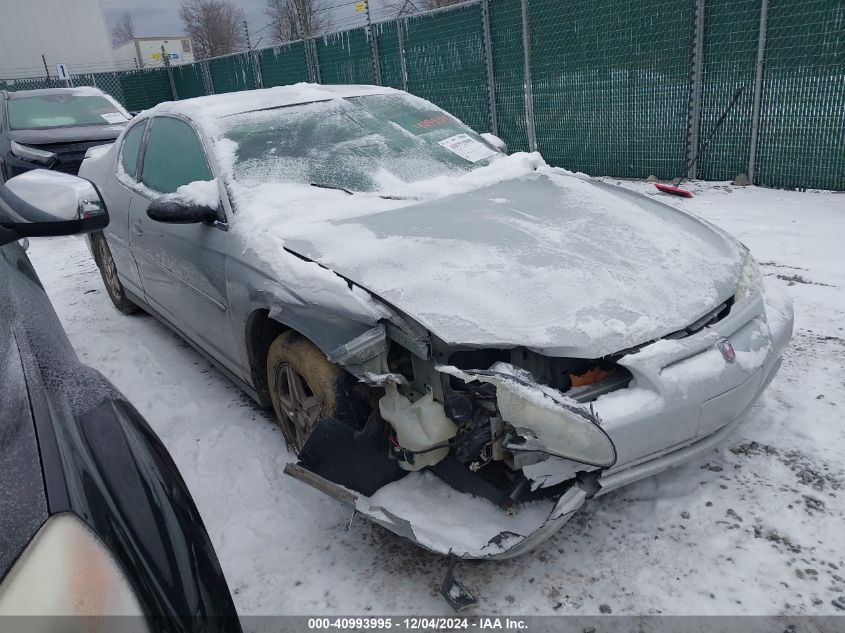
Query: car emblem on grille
[727, 350]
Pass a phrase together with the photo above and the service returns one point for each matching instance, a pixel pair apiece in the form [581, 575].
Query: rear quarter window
[130, 148]
[173, 156]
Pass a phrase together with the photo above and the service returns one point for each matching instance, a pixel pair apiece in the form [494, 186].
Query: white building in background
[145, 52]
[71, 32]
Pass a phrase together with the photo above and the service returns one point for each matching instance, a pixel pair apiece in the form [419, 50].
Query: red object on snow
[675, 191]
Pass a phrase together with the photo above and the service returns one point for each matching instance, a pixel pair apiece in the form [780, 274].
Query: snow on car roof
[217, 106]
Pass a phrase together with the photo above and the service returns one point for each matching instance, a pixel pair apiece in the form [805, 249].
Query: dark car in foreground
[95, 519]
[54, 128]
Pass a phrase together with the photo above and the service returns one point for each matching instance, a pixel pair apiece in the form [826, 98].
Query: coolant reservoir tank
[419, 425]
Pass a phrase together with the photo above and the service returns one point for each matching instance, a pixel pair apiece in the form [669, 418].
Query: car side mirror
[42, 203]
[173, 209]
[496, 142]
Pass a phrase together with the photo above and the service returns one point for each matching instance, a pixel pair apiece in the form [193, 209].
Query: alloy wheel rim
[298, 406]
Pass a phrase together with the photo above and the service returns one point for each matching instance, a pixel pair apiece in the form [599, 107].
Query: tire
[108, 271]
[306, 387]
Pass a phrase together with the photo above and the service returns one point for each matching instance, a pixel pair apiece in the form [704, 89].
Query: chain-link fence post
[758, 90]
[166, 59]
[206, 76]
[373, 45]
[529, 89]
[256, 68]
[312, 60]
[694, 116]
[488, 64]
[401, 27]
[309, 63]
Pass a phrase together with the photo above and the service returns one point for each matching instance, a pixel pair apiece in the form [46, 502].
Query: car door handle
[136, 228]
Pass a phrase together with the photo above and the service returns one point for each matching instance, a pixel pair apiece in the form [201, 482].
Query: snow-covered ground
[757, 527]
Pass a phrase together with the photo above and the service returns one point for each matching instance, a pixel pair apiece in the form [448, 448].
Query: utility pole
[46, 70]
[246, 33]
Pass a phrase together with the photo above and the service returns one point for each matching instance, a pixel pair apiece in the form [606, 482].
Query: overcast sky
[155, 18]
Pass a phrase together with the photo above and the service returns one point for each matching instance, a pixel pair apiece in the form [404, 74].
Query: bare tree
[295, 19]
[215, 26]
[123, 31]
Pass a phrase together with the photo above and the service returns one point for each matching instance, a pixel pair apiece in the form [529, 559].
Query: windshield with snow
[62, 110]
[369, 143]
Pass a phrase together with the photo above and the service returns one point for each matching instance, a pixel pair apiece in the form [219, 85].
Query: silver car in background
[462, 344]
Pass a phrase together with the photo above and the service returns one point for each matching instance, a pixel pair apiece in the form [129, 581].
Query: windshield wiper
[386, 196]
[323, 185]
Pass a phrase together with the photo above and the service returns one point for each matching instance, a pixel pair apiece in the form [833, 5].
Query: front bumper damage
[684, 387]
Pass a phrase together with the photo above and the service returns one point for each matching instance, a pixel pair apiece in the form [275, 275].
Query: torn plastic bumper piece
[506, 544]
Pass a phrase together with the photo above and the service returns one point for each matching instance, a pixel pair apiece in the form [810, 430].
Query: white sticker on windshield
[467, 147]
[114, 117]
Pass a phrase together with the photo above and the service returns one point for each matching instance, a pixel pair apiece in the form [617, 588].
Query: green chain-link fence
[509, 72]
[802, 122]
[345, 58]
[445, 61]
[232, 73]
[189, 81]
[611, 84]
[617, 88]
[283, 65]
[390, 42]
[730, 54]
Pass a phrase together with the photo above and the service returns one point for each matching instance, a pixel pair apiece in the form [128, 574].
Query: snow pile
[201, 193]
[593, 263]
[443, 518]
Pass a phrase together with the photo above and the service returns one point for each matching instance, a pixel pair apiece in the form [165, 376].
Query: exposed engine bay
[509, 433]
[461, 418]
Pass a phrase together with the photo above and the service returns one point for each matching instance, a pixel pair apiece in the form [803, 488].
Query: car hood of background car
[71, 134]
[557, 263]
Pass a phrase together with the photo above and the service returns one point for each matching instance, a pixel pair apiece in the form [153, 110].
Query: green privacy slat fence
[509, 72]
[730, 57]
[142, 89]
[802, 135]
[445, 62]
[232, 73]
[614, 82]
[283, 65]
[189, 81]
[389, 53]
[345, 58]
[611, 84]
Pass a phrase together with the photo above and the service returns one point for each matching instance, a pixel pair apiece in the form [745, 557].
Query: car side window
[173, 156]
[131, 147]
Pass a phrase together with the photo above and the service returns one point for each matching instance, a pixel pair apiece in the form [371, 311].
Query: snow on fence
[618, 88]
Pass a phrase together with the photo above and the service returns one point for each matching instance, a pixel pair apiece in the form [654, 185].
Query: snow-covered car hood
[557, 263]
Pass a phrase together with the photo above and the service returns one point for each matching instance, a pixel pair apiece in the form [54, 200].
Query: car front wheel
[305, 387]
[105, 262]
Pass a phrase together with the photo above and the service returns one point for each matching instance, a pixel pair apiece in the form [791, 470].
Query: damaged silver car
[463, 345]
